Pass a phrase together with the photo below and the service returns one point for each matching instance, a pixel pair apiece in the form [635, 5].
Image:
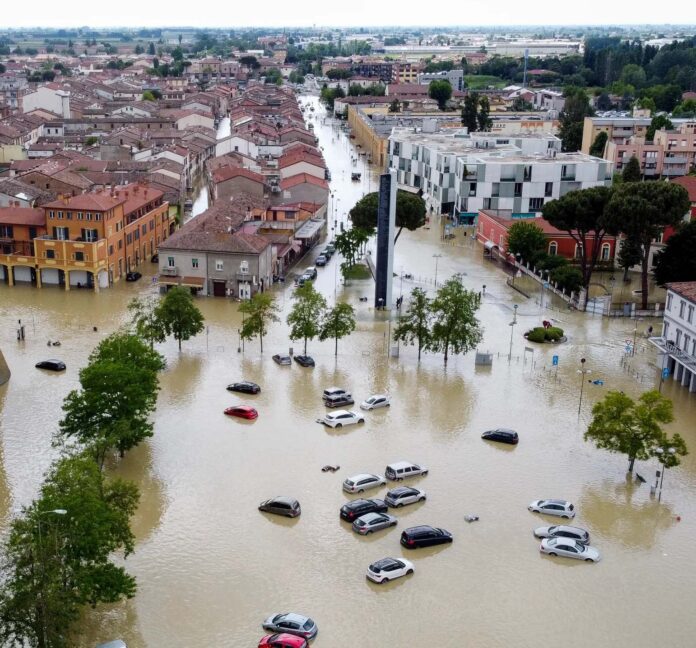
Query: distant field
[481, 81]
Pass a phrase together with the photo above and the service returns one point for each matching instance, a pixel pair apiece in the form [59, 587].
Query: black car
[503, 435]
[245, 387]
[133, 276]
[304, 360]
[353, 510]
[286, 506]
[424, 536]
[51, 365]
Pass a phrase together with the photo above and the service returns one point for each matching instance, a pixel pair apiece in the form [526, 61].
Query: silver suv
[561, 508]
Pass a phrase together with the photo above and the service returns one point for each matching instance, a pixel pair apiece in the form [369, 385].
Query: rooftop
[686, 289]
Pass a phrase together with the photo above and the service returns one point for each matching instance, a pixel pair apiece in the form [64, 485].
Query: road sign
[546, 284]
[665, 372]
[555, 361]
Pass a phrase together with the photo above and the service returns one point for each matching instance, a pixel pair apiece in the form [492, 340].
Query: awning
[309, 229]
[489, 245]
[191, 282]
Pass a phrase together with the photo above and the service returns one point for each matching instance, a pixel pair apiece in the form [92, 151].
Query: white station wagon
[561, 508]
[362, 482]
[339, 418]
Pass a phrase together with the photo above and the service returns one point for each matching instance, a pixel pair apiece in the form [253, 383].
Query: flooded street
[210, 567]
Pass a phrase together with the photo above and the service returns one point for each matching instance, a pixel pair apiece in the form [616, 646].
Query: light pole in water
[664, 456]
[512, 329]
[436, 257]
[583, 372]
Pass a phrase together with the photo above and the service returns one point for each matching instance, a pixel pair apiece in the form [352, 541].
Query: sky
[342, 13]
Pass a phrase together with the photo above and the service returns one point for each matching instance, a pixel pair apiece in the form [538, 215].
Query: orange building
[19, 226]
[94, 239]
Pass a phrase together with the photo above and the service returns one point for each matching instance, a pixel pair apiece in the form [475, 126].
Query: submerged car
[404, 495]
[388, 569]
[363, 482]
[371, 522]
[133, 276]
[51, 365]
[283, 640]
[561, 508]
[339, 418]
[502, 435]
[304, 360]
[242, 411]
[244, 387]
[424, 536]
[375, 402]
[296, 624]
[286, 506]
[353, 510]
[332, 392]
[568, 548]
[321, 261]
[563, 531]
[282, 359]
[341, 400]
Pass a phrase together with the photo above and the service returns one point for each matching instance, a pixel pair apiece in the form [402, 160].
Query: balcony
[675, 159]
[169, 271]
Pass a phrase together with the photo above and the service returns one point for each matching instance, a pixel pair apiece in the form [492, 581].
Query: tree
[259, 312]
[146, 321]
[410, 212]
[603, 102]
[469, 111]
[305, 316]
[148, 96]
[597, 148]
[520, 104]
[118, 394]
[395, 106]
[634, 75]
[528, 240]
[576, 108]
[677, 261]
[337, 323]
[642, 210]
[629, 255]
[54, 564]
[151, 49]
[441, 91]
[139, 49]
[415, 324]
[178, 315]
[657, 123]
[455, 326]
[584, 215]
[484, 121]
[631, 172]
[620, 424]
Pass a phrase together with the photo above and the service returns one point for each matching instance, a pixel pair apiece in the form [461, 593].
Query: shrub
[552, 262]
[537, 334]
[554, 333]
[567, 277]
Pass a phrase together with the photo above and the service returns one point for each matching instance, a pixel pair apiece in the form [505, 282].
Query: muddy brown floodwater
[210, 567]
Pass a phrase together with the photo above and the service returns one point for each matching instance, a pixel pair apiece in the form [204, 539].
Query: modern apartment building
[455, 78]
[460, 173]
[677, 344]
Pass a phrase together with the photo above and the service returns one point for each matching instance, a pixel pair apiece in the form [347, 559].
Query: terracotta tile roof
[300, 156]
[90, 201]
[22, 216]
[689, 183]
[228, 172]
[301, 178]
[686, 289]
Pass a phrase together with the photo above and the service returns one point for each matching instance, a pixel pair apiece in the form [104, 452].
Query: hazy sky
[72, 13]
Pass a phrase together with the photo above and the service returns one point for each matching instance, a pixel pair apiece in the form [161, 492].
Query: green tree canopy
[631, 172]
[414, 326]
[145, 320]
[178, 315]
[337, 323]
[483, 120]
[455, 326]
[527, 239]
[658, 123]
[306, 313]
[469, 111]
[620, 424]
[576, 108]
[642, 210]
[258, 312]
[441, 91]
[630, 254]
[584, 215]
[677, 260]
[597, 148]
[410, 212]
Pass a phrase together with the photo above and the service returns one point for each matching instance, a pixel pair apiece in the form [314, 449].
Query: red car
[283, 640]
[242, 411]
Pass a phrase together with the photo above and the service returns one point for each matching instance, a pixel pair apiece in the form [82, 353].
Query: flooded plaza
[210, 567]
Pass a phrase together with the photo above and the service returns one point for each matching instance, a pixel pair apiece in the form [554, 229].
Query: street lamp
[436, 257]
[633, 348]
[512, 328]
[663, 456]
[43, 570]
[582, 371]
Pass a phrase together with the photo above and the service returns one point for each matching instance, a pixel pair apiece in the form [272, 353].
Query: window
[111, 250]
[79, 256]
[682, 307]
[486, 203]
[495, 190]
[678, 340]
[80, 216]
[88, 216]
[219, 265]
[687, 339]
[669, 302]
[518, 189]
[6, 231]
[120, 244]
[548, 189]
[61, 233]
[68, 215]
[244, 267]
[606, 252]
[50, 254]
[690, 316]
[535, 204]
[194, 263]
[51, 214]
[170, 262]
[472, 189]
[553, 248]
[89, 235]
[60, 215]
[129, 239]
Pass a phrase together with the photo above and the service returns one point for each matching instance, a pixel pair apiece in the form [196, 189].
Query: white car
[404, 495]
[374, 402]
[362, 482]
[561, 508]
[388, 569]
[569, 548]
[339, 418]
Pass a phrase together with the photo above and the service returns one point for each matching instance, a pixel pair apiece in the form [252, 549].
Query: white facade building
[677, 343]
[457, 172]
[48, 98]
[455, 78]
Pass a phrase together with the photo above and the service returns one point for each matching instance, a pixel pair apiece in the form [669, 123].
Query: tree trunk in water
[644, 280]
[419, 350]
[179, 344]
[446, 352]
[398, 234]
[305, 346]
[336, 347]
[631, 461]
[261, 340]
[625, 274]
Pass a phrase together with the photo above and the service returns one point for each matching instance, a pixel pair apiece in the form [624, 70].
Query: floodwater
[210, 567]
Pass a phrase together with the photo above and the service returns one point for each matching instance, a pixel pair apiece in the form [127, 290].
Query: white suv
[339, 418]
